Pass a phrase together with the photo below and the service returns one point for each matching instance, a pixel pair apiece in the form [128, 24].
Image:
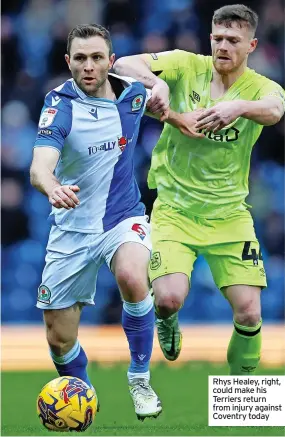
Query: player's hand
[219, 116]
[63, 196]
[187, 122]
[159, 101]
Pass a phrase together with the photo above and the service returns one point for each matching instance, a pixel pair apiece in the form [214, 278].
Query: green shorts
[229, 246]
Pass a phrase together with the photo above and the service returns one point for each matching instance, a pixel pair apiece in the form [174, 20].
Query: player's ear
[211, 36]
[67, 58]
[111, 61]
[253, 44]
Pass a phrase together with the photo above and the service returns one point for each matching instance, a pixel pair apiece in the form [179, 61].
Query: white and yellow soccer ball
[67, 404]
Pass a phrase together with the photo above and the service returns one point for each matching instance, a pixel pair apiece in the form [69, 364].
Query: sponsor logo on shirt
[228, 135]
[108, 145]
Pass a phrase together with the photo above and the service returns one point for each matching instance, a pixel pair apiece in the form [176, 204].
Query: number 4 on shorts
[253, 255]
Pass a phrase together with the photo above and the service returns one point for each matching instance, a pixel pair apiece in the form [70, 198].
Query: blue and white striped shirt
[96, 139]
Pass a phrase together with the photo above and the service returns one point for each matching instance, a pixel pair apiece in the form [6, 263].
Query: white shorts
[73, 260]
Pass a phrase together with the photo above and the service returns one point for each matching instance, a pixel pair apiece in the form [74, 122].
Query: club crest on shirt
[137, 102]
[47, 117]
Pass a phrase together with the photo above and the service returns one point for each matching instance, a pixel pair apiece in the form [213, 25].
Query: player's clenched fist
[159, 101]
[63, 196]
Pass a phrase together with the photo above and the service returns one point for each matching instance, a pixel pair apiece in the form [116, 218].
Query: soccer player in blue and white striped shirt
[83, 163]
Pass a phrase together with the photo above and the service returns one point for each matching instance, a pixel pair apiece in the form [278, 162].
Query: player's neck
[105, 92]
[223, 82]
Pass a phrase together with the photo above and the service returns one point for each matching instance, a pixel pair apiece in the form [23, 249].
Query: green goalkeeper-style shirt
[205, 177]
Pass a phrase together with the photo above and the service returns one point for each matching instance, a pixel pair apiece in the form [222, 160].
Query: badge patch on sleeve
[47, 117]
[44, 294]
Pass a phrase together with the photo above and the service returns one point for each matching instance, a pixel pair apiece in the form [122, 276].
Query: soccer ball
[67, 404]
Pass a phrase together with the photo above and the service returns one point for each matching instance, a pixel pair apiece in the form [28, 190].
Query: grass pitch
[183, 391]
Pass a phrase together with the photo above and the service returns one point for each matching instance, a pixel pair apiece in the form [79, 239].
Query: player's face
[231, 46]
[89, 63]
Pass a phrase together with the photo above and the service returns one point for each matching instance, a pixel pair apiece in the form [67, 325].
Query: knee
[133, 287]
[168, 304]
[248, 315]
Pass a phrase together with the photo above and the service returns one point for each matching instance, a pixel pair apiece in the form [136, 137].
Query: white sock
[132, 376]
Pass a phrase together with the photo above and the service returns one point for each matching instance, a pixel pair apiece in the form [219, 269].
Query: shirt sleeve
[272, 89]
[148, 95]
[55, 122]
[168, 65]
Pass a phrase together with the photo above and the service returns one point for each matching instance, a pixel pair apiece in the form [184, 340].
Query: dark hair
[239, 13]
[88, 30]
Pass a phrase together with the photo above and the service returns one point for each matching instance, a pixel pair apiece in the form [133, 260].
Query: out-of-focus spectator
[154, 42]
[10, 57]
[188, 41]
[124, 43]
[18, 133]
[14, 220]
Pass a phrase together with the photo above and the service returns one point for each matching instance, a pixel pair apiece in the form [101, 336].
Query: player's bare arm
[267, 111]
[185, 122]
[43, 179]
[138, 67]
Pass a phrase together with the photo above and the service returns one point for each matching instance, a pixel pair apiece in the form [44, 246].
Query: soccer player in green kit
[200, 169]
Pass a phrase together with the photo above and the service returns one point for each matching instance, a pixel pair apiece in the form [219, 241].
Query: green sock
[244, 349]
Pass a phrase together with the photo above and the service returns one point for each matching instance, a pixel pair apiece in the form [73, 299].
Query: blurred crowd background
[33, 46]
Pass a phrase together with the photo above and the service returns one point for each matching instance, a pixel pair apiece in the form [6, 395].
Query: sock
[74, 363]
[138, 324]
[244, 349]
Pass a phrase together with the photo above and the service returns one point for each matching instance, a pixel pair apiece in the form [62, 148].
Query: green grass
[183, 391]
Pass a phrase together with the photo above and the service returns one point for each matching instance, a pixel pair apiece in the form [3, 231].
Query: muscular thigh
[172, 248]
[127, 251]
[236, 263]
[233, 251]
[129, 265]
